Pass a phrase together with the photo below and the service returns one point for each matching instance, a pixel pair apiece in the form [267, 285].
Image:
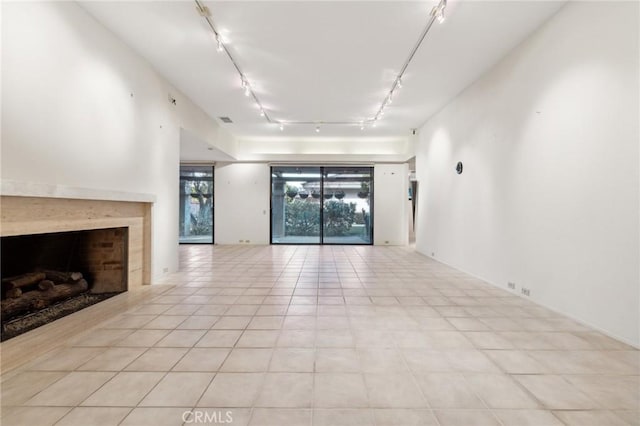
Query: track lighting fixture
[438, 11]
[220, 48]
[437, 14]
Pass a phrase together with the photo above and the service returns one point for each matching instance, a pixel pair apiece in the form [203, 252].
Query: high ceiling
[321, 61]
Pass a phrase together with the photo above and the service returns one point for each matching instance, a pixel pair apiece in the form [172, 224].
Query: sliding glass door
[196, 204]
[321, 205]
[295, 205]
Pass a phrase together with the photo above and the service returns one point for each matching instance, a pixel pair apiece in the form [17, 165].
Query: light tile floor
[334, 335]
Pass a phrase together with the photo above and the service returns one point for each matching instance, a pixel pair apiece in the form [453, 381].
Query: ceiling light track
[220, 47]
[436, 14]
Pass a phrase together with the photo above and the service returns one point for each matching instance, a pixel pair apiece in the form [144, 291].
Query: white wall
[390, 194]
[242, 202]
[80, 108]
[549, 195]
[242, 205]
[326, 149]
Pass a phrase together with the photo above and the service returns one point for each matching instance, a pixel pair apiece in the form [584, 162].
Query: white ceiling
[320, 60]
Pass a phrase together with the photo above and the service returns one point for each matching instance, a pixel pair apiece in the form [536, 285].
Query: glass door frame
[213, 204]
[322, 179]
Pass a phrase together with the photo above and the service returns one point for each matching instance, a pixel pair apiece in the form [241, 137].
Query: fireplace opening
[48, 276]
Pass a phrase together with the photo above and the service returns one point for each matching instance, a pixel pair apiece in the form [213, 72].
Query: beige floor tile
[232, 390]
[198, 322]
[394, 391]
[242, 310]
[292, 360]
[589, 418]
[334, 338]
[71, 389]
[448, 390]
[219, 339]
[631, 417]
[157, 359]
[382, 360]
[156, 416]
[101, 337]
[166, 322]
[273, 310]
[466, 418]
[404, 417]
[124, 390]
[527, 418]
[516, 362]
[333, 335]
[468, 324]
[143, 338]
[488, 340]
[232, 323]
[181, 339]
[247, 360]
[342, 417]
[297, 339]
[202, 359]
[99, 416]
[340, 390]
[112, 359]
[178, 390]
[292, 390]
[500, 391]
[25, 385]
[27, 416]
[129, 321]
[613, 392]
[258, 339]
[556, 393]
[266, 323]
[211, 310]
[337, 360]
[65, 359]
[280, 417]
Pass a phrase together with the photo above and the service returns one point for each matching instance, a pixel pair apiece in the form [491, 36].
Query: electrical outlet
[386, 242]
[165, 270]
[433, 254]
[511, 285]
[241, 241]
[247, 241]
[526, 291]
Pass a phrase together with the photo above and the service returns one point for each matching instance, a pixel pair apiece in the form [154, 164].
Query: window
[321, 205]
[196, 204]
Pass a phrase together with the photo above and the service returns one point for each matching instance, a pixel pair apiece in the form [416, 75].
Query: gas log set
[35, 291]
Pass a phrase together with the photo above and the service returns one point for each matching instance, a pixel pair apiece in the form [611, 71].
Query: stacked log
[36, 290]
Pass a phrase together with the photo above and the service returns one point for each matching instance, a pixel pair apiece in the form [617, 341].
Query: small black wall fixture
[459, 167]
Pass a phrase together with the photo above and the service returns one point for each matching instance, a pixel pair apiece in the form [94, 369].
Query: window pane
[295, 205]
[196, 204]
[347, 205]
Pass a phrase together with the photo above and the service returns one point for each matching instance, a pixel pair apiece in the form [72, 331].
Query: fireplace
[50, 275]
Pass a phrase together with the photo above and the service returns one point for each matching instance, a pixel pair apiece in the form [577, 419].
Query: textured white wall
[69, 117]
[242, 203]
[549, 196]
[390, 221]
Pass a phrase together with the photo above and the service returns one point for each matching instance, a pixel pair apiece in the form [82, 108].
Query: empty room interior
[320, 213]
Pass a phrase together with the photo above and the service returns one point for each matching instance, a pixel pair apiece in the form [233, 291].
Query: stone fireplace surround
[28, 208]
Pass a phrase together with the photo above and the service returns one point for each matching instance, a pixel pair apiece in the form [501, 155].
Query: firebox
[48, 276]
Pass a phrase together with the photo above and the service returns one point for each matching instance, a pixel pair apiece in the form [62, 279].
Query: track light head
[281, 127]
[220, 48]
[317, 129]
